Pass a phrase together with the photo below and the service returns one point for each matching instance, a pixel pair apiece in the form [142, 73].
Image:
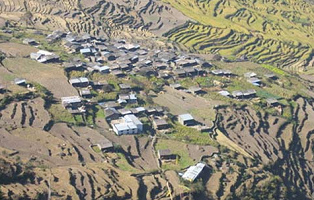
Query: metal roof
[160, 122]
[250, 74]
[271, 100]
[105, 144]
[175, 85]
[131, 125]
[71, 99]
[132, 118]
[121, 126]
[140, 109]
[254, 80]
[237, 93]
[164, 152]
[124, 86]
[18, 81]
[186, 117]
[192, 173]
[224, 93]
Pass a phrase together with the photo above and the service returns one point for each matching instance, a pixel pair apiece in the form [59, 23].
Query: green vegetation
[274, 69]
[100, 112]
[177, 148]
[271, 32]
[96, 149]
[59, 114]
[123, 164]
[272, 189]
[191, 135]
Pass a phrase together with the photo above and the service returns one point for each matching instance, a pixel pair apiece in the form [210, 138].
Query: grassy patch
[191, 135]
[274, 69]
[265, 94]
[123, 164]
[96, 149]
[59, 114]
[100, 113]
[177, 148]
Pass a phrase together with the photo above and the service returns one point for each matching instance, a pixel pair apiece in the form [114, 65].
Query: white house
[129, 124]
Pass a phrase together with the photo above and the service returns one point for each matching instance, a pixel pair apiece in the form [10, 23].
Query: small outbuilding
[272, 102]
[160, 124]
[111, 114]
[196, 90]
[166, 154]
[85, 92]
[105, 146]
[186, 119]
[20, 81]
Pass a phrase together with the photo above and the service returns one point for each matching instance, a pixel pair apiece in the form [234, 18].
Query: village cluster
[121, 59]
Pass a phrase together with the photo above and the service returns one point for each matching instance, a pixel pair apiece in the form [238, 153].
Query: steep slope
[99, 17]
[277, 32]
[286, 145]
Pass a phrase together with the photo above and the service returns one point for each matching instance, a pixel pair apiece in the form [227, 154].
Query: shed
[165, 154]
[272, 102]
[118, 73]
[86, 51]
[193, 172]
[190, 71]
[109, 104]
[29, 41]
[196, 90]
[2, 88]
[85, 92]
[20, 81]
[224, 93]
[250, 74]
[186, 119]
[125, 111]
[237, 94]
[249, 93]
[160, 124]
[105, 146]
[125, 87]
[100, 84]
[176, 86]
[179, 73]
[79, 82]
[111, 114]
[101, 69]
[254, 81]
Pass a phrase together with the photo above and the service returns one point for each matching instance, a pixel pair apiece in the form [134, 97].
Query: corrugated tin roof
[192, 173]
[186, 117]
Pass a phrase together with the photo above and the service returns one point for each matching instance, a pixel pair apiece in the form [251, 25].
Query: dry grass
[224, 140]
[48, 75]
[17, 50]
[201, 108]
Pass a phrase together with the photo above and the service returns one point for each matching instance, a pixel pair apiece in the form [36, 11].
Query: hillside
[99, 17]
[275, 32]
[120, 99]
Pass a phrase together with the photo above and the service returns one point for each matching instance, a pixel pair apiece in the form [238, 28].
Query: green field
[271, 32]
[178, 149]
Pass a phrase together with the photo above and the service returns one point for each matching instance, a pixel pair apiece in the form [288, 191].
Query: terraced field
[273, 32]
[59, 159]
[287, 145]
[100, 17]
[277, 32]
